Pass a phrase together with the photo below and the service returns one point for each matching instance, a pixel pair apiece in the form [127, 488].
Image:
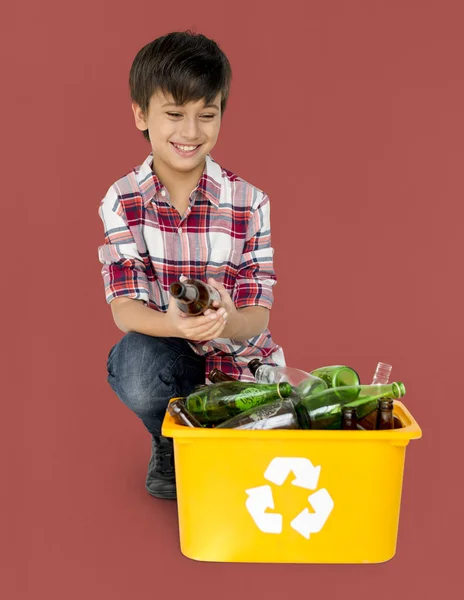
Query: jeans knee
[140, 371]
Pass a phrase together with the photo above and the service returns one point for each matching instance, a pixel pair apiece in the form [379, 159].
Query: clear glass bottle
[337, 375]
[279, 414]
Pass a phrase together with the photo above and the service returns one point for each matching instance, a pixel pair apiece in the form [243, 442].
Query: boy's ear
[139, 117]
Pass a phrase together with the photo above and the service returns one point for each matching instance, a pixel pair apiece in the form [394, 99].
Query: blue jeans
[146, 372]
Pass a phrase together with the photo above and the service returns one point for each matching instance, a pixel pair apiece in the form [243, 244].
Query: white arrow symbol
[306, 474]
[306, 522]
[259, 499]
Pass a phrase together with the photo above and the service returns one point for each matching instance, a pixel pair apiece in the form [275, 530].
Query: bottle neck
[382, 373]
[184, 291]
[385, 404]
[349, 418]
[385, 414]
[216, 375]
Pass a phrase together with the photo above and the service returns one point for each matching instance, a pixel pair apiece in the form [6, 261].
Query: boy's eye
[171, 114]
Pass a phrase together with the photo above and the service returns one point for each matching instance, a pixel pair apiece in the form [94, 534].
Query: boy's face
[194, 127]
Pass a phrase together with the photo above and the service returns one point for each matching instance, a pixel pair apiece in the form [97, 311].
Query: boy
[177, 215]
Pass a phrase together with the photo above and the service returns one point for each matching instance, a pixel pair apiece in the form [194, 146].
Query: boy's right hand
[200, 328]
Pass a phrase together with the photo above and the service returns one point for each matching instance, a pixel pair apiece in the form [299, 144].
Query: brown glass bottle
[349, 418]
[193, 296]
[397, 422]
[385, 414]
[369, 422]
[216, 375]
[181, 415]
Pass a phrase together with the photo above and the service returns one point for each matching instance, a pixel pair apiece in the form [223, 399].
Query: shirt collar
[209, 184]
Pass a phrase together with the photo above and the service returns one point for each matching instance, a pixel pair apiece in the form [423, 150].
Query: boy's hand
[200, 328]
[226, 303]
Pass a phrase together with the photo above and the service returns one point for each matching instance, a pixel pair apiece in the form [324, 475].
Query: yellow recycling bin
[290, 496]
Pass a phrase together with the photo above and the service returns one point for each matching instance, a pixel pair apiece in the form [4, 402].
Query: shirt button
[179, 230]
[163, 192]
[205, 348]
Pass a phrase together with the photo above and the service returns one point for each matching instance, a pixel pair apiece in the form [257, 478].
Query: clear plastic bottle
[304, 383]
[382, 374]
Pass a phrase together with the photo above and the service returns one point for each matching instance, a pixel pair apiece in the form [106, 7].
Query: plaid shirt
[224, 233]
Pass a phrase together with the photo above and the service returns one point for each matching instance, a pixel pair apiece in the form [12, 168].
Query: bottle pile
[330, 397]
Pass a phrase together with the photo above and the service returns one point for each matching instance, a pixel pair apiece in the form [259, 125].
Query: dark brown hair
[187, 65]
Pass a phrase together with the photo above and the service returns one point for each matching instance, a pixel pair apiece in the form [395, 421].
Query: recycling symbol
[306, 476]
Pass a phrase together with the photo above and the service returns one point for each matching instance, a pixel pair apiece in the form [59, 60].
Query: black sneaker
[161, 481]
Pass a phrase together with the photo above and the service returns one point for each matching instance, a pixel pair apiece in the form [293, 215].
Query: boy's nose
[190, 130]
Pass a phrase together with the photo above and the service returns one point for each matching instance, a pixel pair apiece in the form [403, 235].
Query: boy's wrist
[234, 325]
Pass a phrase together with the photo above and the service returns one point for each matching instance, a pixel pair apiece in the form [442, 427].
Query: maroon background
[350, 116]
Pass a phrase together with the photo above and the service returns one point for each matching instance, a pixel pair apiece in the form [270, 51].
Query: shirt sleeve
[123, 268]
[256, 276]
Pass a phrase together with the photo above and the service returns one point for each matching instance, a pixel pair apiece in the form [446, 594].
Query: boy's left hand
[228, 304]
[226, 300]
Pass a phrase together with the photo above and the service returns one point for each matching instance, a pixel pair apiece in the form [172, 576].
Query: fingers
[207, 327]
[215, 331]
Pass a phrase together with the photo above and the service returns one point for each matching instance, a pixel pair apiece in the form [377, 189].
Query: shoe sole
[163, 495]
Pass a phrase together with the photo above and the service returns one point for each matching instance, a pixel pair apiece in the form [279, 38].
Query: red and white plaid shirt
[225, 234]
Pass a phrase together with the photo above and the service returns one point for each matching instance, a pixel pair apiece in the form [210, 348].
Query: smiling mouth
[185, 148]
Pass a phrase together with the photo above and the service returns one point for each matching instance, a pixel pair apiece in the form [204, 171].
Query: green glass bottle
[324, 410]
[221, 401]
[337, 375]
